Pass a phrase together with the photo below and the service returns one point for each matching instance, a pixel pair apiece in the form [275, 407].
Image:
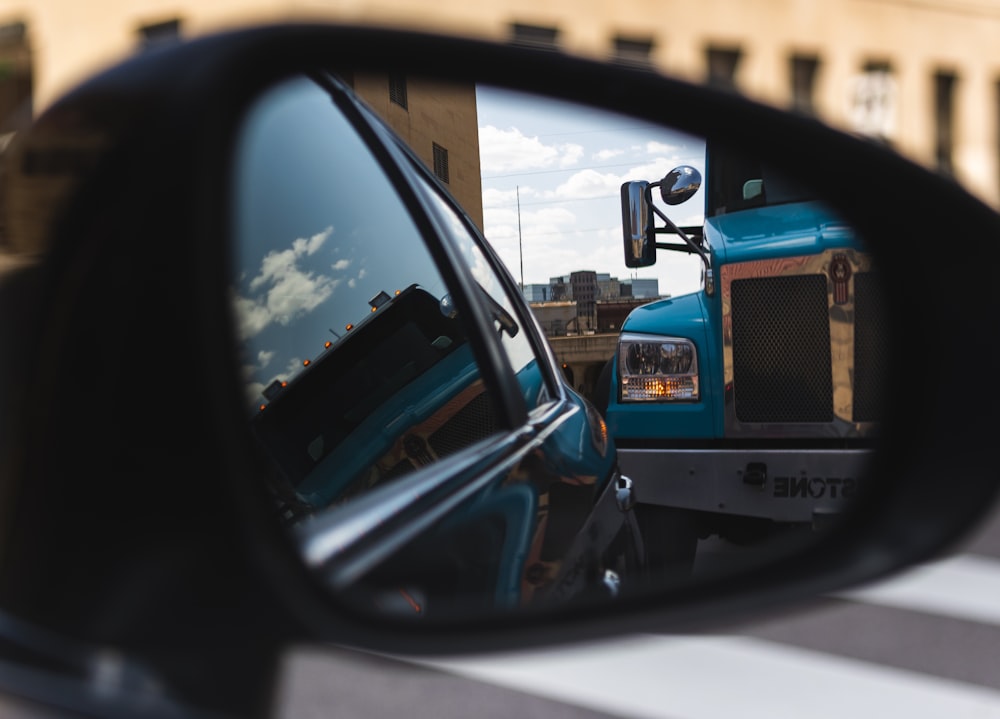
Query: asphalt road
[925, 644]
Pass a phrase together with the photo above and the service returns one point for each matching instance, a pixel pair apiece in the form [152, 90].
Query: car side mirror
[391, 474]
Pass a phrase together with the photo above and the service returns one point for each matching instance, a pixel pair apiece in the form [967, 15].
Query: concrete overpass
[582, 357]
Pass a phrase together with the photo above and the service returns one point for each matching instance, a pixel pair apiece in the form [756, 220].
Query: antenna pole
[520, 249]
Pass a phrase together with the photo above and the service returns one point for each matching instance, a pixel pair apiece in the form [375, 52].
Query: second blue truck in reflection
[753, 403]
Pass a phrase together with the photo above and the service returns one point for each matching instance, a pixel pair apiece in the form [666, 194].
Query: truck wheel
[602, 390]
[670, 539]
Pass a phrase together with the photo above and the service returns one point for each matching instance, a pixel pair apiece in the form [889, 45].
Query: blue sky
[563, 165]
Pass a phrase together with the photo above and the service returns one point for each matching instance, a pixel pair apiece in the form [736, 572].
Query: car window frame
[393, 155]
[526, 320]
[340, 560]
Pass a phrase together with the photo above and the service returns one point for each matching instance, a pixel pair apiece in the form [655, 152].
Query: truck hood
[675, 316]
[799, 228]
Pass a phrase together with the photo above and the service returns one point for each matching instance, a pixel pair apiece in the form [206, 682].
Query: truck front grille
[805, 343]
[781, 349]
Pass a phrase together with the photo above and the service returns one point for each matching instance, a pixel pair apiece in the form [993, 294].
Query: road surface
[923, 645]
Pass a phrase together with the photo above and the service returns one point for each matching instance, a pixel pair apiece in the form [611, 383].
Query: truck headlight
[657, 369]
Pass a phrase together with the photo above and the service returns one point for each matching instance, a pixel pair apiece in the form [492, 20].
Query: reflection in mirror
[324, 276]
[451, 428]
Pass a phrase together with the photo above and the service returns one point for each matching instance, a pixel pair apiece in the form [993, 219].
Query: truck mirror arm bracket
[695, 247]
[675, 247]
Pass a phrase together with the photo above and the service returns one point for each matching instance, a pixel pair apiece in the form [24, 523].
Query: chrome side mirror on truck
[638, 212]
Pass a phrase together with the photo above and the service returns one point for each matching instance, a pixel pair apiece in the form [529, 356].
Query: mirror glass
[452, 427]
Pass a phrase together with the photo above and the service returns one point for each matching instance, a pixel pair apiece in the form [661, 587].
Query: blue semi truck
[752, 404]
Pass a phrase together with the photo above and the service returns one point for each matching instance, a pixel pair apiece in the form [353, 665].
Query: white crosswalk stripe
[709, 677]
[725, 676]
[965, 587]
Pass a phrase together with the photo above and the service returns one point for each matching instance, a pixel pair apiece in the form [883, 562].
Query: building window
[16, 85]
[441, 163]
[160, 33]
[721, 65]
[802, 69]
[14, 33]
[944, 121]
[534, 35]
[397, 89]
[874, 101]
[633, 51]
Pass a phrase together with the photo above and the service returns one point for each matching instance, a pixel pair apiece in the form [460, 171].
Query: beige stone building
[923, 75]
[438, 121]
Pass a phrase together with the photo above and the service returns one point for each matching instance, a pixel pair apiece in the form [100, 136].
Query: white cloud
[510, 196]
[661, 148]
[570, 155]
[589, 184]
[252, 317]
[506, 151]
[510, 151]
[605, 155]
[288, 290]
[276, 264]
[296, 293]
[311, 245]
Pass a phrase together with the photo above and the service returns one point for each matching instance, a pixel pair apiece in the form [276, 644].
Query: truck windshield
[737, 182]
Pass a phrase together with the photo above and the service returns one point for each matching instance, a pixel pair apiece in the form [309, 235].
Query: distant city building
[644, 288]
[537, 293]
[598, 302]
[561, 288]
[608, 287]
[584, 284]
[556, 318]
[611, 314]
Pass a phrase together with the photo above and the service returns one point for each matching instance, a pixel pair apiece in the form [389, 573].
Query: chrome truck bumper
[781, 484]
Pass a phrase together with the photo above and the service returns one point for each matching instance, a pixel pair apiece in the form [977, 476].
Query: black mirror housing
[130, 473]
